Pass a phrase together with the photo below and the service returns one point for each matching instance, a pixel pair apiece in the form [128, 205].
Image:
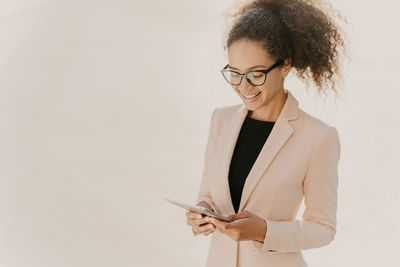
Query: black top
[251, 139]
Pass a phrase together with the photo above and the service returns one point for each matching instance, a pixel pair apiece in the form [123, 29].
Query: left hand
[244, 226]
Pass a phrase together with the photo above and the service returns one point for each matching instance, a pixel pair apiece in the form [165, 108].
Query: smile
[252, 96]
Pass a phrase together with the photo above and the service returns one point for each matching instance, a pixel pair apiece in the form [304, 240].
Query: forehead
[244, 54]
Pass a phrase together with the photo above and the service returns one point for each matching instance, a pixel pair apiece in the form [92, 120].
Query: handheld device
[198, 209]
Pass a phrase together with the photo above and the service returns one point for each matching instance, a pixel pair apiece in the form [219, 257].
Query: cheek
[271, 88]
[274, 82]
[268, 93]
[265, 91]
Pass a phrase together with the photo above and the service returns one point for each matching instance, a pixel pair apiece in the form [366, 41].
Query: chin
[249, 106]
[252, 106]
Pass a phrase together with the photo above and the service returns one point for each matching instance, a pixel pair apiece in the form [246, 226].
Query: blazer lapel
[279, 135]
[232, 132]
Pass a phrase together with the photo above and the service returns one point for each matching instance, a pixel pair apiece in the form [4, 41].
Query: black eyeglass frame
[276, 64]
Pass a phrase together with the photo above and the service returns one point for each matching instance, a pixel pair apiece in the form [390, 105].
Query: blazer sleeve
[204, 191]
[318, 227]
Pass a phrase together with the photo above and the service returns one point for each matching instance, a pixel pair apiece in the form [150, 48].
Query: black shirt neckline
[259, 121]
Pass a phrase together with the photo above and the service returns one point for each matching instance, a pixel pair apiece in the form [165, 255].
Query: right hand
[197, 220]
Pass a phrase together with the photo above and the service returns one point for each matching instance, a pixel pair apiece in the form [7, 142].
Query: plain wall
[104, 111]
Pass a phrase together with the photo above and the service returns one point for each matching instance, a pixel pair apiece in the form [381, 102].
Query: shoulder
[229, 110]
[317, 130]
[313, 125]
[223, 113]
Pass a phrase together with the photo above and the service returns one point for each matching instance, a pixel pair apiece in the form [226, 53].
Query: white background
[104, 111]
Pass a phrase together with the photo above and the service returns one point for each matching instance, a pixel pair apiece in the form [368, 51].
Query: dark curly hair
[297, 30]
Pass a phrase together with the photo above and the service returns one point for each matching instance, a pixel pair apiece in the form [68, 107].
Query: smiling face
[262, 101]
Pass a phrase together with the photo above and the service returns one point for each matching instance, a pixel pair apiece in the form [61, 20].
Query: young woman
[265, 155]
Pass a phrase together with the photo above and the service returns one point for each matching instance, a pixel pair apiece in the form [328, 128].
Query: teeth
[250, 96]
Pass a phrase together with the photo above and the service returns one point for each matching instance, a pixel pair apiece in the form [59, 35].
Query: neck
[271, 111]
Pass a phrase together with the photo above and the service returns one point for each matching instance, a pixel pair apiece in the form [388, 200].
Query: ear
[286, 67]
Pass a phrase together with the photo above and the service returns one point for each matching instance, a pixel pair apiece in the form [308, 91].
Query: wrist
[263, 231]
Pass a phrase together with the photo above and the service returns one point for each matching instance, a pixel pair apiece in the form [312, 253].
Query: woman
[265, 155]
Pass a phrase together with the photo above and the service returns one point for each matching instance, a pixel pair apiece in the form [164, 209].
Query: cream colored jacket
[299, 159]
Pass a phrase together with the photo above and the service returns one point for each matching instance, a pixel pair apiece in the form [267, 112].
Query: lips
[251, 96]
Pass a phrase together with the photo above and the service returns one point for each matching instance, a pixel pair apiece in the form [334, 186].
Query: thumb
[243, 214]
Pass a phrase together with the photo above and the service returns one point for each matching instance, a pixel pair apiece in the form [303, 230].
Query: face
[246, 55]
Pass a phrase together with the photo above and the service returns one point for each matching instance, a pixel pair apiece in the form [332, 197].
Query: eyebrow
[254, 67]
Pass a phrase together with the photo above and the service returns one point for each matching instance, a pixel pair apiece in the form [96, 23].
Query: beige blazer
[299, 159]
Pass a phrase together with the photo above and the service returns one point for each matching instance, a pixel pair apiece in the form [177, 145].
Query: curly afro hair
[297, 30]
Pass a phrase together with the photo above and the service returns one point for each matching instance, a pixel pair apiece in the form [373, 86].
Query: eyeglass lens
[255, 77]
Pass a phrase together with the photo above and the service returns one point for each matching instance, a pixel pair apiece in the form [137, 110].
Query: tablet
[198, 209]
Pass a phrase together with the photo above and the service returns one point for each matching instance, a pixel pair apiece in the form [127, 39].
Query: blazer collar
[289, 111]
[280, 133]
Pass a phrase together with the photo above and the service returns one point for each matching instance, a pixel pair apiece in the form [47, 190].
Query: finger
[194, 219]
[203, 228]
[220, 225]
[194, 232]
[196, 222]
[210, 231]
[194, 215]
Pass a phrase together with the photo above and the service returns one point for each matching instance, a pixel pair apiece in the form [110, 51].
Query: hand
[197, 221]
[244, 226]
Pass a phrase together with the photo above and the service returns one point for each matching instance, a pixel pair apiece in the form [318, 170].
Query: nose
[244, 85]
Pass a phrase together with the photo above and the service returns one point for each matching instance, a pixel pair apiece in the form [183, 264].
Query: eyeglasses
[254, 77]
